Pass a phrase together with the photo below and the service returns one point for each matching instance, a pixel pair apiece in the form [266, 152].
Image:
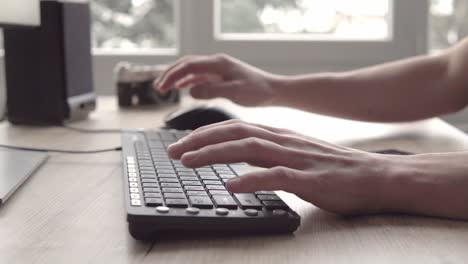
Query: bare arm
[406, 90]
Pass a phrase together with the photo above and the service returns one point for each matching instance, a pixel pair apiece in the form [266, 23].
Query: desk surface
[71, 210]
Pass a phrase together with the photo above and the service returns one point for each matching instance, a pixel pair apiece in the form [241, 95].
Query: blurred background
[272, 34]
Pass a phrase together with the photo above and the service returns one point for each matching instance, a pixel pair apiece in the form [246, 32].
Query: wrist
[293, 90]
[432, 185]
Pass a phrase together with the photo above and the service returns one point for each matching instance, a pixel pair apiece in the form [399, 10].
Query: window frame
[196, 35]
[409, 37]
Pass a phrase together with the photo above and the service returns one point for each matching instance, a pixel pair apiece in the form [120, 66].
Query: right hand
[220, 76]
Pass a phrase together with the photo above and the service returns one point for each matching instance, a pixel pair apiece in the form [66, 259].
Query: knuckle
[240, 129]
[254, 144]
[284, 173]
[186, 65]
[221, 57]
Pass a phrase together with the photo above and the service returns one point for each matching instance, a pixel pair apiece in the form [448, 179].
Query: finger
[254, 151]
[212, 90]
[218, 135]
[175, 64]
[274, 179]
[296, 139]
[191, 80]
[238, 121]
[202, 65]
[198, 79]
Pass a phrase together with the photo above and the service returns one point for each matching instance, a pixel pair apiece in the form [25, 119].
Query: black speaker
[49, 68]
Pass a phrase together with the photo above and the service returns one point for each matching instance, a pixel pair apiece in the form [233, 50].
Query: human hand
[334, 178]
[220, 76]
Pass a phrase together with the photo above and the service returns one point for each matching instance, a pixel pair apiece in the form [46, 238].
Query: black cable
[62, 150]
[91, 131]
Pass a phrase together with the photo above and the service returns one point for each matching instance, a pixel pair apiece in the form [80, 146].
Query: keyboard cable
[52, 150]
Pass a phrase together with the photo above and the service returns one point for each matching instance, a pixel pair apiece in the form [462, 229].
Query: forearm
[430, 184]
[411, 89]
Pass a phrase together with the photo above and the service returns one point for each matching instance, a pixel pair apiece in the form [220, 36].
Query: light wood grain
[71, 210]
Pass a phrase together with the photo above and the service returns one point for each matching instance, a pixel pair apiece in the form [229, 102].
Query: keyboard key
[227, 173]
[191, 178]
[191, 183]
[248, 201]
[207, 182]
[186, 173]
[147, 172]
[179, 169]
[203, 173]
[144, 167]
[165, 171]
[168, 180]
[135, 202]
[201, 201]
[174, 195]
[134, 190]
[149, 184]
[225, 176]
[225, 201]
[265, 193]
[194, 188]
[135, 196]
[148, 176]
[216, 192]
[212, 178]
[155, 190]
[221, 166]
[216, 187]
[167, 175]
[221, 170]
[180, 203]
[271, 205]
[161, 164]
[271, 197]
[133, 184]
[197, 193]
[203, 170]
[152, 195]
[149, 180]
[173, 190]
[170, 184]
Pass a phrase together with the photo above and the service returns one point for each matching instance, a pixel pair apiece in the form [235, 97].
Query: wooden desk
[71, 210]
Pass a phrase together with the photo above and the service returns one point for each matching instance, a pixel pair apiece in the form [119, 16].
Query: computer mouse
[195, 117]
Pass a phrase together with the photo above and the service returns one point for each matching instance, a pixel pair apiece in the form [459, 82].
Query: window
[448, 23]
[134, 25]
[288, 36]
[304, 19]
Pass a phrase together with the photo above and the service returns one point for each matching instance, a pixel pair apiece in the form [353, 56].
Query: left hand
[334, 178]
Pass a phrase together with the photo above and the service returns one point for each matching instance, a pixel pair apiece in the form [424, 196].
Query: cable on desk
[91, 131]
[62, 150]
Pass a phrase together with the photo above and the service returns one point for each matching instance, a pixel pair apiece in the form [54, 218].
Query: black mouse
[195, 117]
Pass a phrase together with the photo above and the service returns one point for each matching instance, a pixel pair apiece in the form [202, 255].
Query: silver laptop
[15, 168]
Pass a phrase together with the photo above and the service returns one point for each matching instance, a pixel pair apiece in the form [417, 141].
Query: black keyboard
[164, 196]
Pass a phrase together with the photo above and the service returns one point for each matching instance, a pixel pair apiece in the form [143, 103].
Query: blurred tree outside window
[133, 24]
[311, 19]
